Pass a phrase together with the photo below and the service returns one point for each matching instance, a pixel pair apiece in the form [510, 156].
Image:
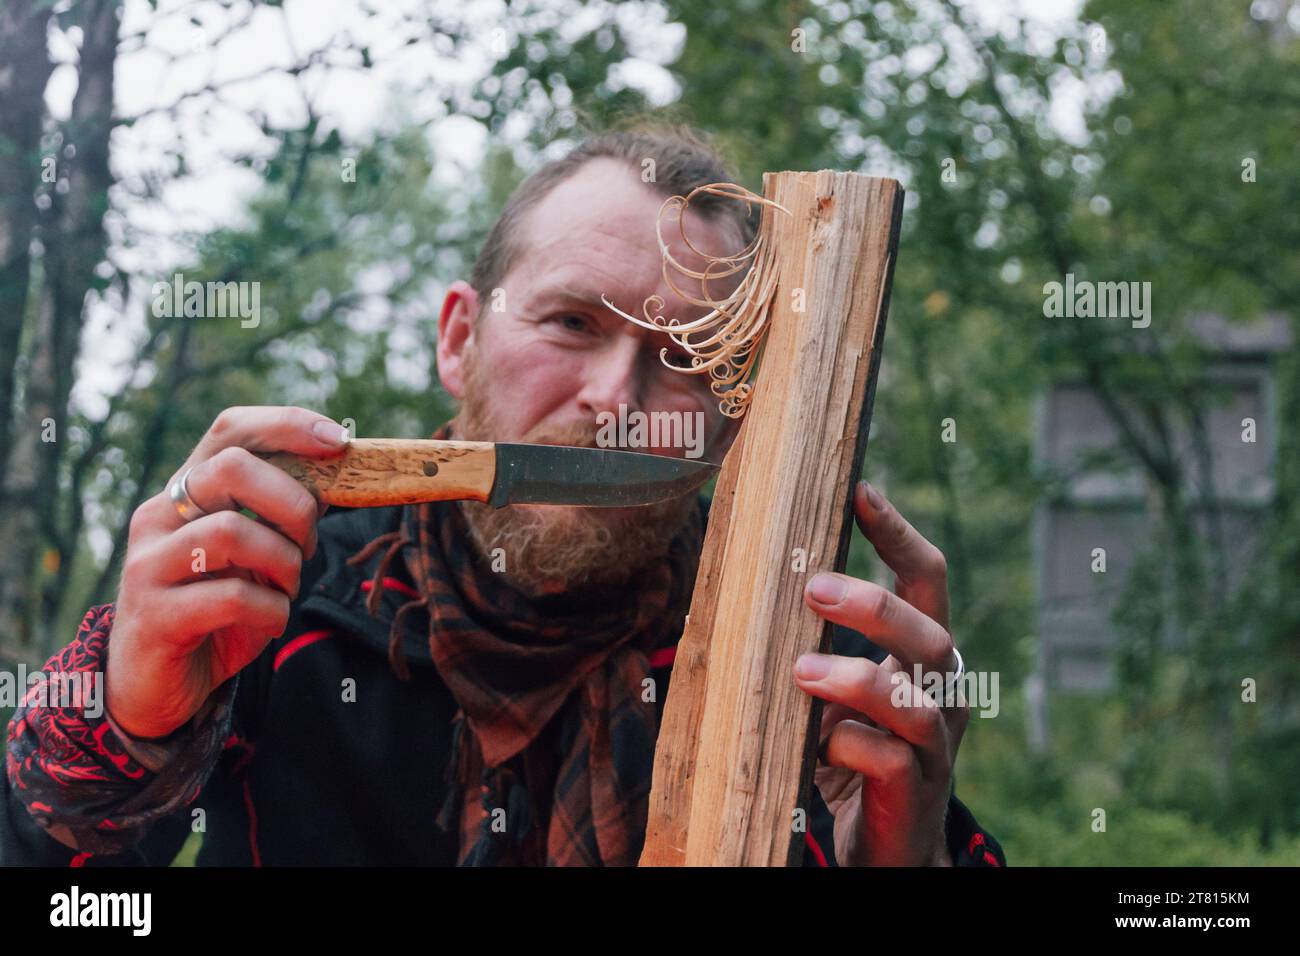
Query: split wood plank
[735, 754]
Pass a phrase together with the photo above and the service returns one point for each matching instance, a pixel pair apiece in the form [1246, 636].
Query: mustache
[576, 434]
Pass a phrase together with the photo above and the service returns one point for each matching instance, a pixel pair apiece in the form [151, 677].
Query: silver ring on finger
[953, 683]
[180, 496]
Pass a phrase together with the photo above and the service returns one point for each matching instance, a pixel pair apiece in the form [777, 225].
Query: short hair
[683, 158]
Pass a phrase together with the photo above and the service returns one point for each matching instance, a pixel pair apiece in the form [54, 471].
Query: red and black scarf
[555, 733]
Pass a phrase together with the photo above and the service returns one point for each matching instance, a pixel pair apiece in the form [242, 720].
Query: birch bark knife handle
[374, 472]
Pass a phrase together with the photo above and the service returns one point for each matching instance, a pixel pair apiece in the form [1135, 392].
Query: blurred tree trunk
[24, 70]
[72, 233]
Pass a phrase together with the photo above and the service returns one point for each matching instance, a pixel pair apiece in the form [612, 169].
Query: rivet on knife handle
[374, 472]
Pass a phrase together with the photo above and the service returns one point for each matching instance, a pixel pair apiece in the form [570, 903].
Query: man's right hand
[180, 633]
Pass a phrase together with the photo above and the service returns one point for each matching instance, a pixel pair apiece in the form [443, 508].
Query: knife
[374, 472]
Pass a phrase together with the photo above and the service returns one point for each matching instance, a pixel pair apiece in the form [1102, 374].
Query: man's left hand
[885, 770]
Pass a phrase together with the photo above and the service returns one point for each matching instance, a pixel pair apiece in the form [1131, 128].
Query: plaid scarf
[553, 742]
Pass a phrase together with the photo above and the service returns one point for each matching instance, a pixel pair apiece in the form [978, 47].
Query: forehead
[595, 232]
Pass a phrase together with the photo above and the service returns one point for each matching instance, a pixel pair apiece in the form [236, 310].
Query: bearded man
[452, 684]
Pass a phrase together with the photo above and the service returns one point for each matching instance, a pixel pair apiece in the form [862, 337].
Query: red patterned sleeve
[84, 781]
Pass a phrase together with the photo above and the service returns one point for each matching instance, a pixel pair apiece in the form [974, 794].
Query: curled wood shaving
[724, 344]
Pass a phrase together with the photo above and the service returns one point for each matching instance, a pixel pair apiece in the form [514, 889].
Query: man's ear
[456, 326]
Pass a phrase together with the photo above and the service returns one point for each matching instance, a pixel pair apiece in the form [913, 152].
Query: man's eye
[572, 322]
[678, 355]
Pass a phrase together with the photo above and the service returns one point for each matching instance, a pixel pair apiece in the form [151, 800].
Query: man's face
[555, 358]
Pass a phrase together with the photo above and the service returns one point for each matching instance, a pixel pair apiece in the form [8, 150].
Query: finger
[271, 428]
[235, 478]
[888, 760]
[268, 428]
[832, 714]
[902, 629]
[835, 784]
[919, 566]
[224, 540]
[203, 607]
[892, 701]
[156, 516]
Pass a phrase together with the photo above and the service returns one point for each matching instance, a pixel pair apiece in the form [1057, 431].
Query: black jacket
[314, 754]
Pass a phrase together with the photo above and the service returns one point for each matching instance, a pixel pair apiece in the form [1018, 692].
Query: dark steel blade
[591, 477]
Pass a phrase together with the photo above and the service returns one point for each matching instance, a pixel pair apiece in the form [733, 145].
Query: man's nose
[612, 377]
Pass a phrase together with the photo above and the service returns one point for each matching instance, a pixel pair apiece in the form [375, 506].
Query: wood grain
[735, 753]
[375, 472]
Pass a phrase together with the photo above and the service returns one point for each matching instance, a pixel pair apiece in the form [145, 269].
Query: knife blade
[375, 472]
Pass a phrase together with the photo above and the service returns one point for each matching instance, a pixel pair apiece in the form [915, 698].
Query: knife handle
[374, 472]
